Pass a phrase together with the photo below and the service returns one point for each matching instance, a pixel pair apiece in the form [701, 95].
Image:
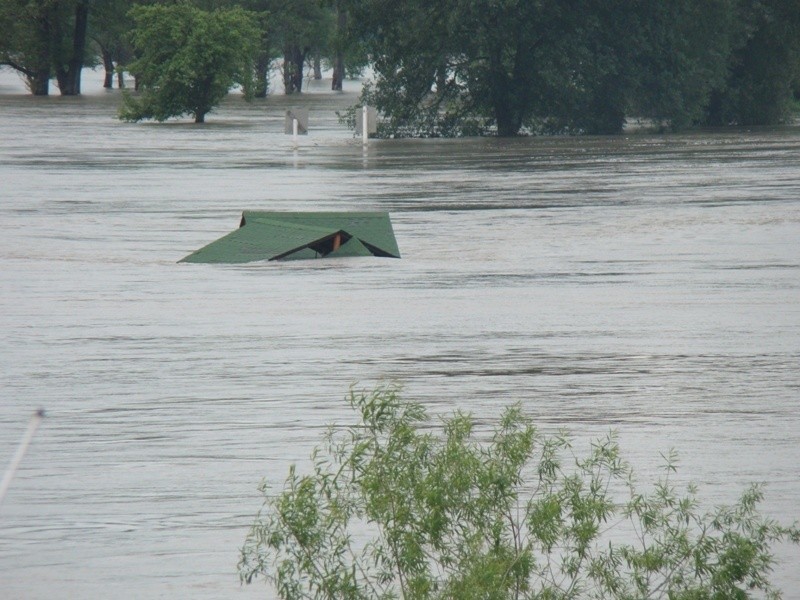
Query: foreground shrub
[396, 510]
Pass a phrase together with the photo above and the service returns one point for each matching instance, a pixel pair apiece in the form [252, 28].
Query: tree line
[446, 67]
[46, 39]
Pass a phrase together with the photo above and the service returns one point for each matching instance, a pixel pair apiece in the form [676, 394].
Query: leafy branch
[393, 510]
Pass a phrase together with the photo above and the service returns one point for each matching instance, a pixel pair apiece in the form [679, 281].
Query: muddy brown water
[644, 284]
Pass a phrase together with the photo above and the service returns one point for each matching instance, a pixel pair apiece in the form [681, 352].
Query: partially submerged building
[267, 235]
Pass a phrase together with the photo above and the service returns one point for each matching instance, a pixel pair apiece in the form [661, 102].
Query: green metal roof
[301, 235]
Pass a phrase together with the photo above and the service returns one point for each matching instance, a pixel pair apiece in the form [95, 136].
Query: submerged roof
[267, 235]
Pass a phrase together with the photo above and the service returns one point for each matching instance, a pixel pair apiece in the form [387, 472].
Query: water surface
[646, 284]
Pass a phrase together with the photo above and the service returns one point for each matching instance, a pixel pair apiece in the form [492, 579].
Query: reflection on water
[649, 284]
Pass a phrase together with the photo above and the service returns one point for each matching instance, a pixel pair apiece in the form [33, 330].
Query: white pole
[294, 131]
[364, 122]
[36, 418]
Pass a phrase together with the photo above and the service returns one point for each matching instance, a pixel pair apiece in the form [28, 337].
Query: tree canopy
[763, 68]
[472, 67]
[581, 66]
[42, 39]
[395, 509]
[188, 59]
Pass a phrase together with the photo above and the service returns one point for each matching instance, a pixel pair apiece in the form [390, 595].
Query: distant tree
[110, 26]
[339, 47]
[453, 67]
[266, 51]
[304, 34]
[348, 54]
[345, 50]
[70, 46]
[764, 70]
[300, 27]
[188, 60]
[679, 53]
[316, 29]
[394, 509]
[42, 38]
[578, 66]
[26, 42]
[454, 63]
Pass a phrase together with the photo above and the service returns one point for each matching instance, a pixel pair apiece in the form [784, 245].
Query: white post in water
[364, 125]
[21, 449]
[296, 123]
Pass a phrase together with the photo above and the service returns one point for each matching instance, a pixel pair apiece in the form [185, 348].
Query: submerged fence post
[365, 125]
[366, 122]
[36, 418]
[296, 123]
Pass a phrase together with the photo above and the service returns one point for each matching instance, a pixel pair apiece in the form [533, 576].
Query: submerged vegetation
[449, 67]
[394, 509]
[579, 66]
[188, 60]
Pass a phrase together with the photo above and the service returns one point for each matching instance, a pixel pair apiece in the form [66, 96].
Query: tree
[681, 55]
[294, 30]
[70, 37]
[764, 67]
[188, 59]
[339, 46]
[347, 53]
[456, 67]
[395, 510]
[26, 42]
[577, 66]
[454, 62]
[301, 27]
[110, 26]
[45, 38]
[266, 51]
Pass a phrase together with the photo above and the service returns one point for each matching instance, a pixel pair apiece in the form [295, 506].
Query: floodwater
[644, 284]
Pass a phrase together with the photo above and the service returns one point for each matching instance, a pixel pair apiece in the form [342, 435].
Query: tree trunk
[262, 76]
[79, 44]
[338, 61]
[317, 67]
[501, 101]
[287, 73]
[338, 73]
[39, 77]
[121, 55]
[108, 65]
[297, 75]
[294, 58]
[69, 74]
[39, 84]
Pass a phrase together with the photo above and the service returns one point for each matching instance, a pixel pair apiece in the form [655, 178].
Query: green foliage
[109, 28]
[681, 55]
[25, 43]
[393, 509]
[577, 66]
[303, 27]
[42, 38]
[764, 67]
[440, 65]
[188, 59]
